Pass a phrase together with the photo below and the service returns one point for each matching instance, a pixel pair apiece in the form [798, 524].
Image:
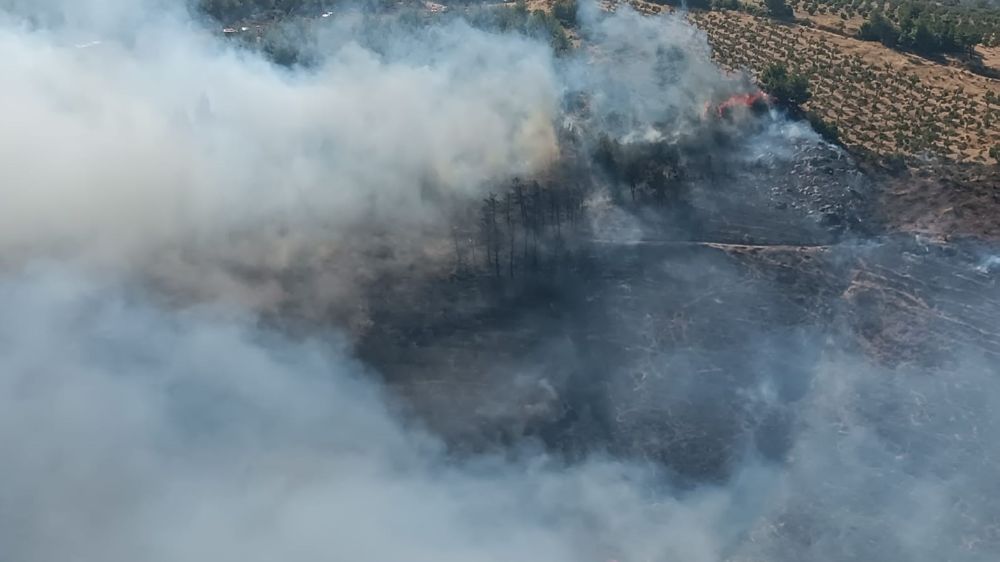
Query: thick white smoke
[651, 77]
[133, 432]
[156, 138]
[134, 143]
[129, 432]
[140, 142]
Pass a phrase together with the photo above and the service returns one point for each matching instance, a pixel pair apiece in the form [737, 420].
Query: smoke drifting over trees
[444, 295]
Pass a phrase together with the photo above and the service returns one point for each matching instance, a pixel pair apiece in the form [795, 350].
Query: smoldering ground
[662, 394]
[130, 431]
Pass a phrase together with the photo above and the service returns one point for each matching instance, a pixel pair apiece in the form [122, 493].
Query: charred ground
[639, 313]
[633, 297]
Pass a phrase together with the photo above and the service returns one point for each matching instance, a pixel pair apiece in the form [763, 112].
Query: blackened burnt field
[643, 330]
[750, 310]
[443, 294]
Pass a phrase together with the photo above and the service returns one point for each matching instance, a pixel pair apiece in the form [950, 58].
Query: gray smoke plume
[166, 436]
[165, 192]
[160, 148]
[649, 78]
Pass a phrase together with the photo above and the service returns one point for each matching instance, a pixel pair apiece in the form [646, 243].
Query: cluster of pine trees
[525, 228]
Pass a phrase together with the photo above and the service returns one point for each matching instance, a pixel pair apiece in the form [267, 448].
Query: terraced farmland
[850, 13]
[880, 100]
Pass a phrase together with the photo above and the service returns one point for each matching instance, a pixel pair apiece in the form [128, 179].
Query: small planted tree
[565, 12]
[778, 8]
[790, 89]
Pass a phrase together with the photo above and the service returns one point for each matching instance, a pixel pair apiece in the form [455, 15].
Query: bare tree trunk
[522, 202]
[458, 248]
[495, 235]
[510, 233]
[536, 197]
[488, 227]
[554, 208]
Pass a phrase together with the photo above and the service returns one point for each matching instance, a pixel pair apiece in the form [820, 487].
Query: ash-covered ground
[445, 295]
[653, 336]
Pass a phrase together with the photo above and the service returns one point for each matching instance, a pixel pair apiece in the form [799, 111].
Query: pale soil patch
[946, 201]
[990, 56]
[543, 5]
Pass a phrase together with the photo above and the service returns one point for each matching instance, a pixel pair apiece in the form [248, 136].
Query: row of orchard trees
[922, 30]
[878, 105]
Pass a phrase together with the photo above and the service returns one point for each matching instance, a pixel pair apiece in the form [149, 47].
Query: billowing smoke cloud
[167, 436]
[156, 143]
[129, 431]
[143, 160]
[139, 139]
[649, 77]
